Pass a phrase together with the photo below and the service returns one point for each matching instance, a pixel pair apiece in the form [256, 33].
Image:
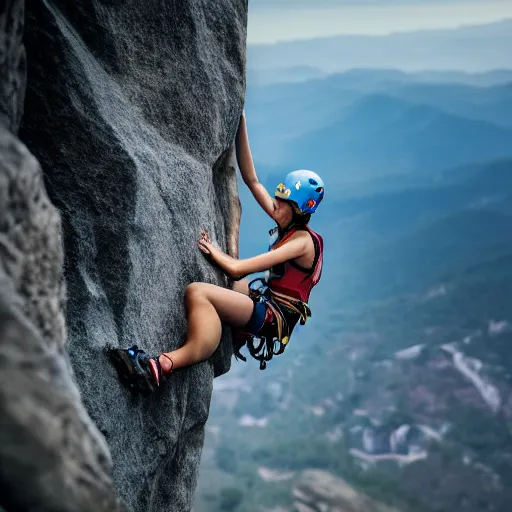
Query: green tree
[230, 499]
[225, 458]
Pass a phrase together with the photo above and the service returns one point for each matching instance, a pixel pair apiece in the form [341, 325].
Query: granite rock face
[52, 456]
[12, 63]
[132, 108]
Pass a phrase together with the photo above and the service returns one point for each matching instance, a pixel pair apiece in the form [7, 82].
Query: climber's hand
[205, 245]
[220, 259]
[205, 236]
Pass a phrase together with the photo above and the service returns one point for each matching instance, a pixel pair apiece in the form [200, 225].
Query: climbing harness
[282, 314]
[283, 311]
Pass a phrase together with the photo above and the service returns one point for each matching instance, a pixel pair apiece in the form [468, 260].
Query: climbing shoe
[136, 369]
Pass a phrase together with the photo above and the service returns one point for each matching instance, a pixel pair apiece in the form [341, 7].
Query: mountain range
[470, 48]
[400, 383]
[411, 127]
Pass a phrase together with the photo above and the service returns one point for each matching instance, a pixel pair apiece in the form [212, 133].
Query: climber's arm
[246, 164]
[237, 269]
[294, 248]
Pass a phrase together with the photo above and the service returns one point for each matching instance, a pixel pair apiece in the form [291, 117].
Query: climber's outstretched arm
[237, 269]
[246, 164]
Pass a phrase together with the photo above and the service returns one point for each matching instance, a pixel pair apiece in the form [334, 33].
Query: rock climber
[264, 311]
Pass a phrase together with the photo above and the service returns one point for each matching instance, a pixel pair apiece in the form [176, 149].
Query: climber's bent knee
[232, 307]
[195, 288]
[193, 292]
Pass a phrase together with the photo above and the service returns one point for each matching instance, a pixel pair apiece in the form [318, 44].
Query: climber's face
[283, 212]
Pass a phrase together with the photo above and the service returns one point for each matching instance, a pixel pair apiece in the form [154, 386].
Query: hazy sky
[281, 20]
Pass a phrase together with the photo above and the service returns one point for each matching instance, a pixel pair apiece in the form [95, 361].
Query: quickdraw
[273, 337]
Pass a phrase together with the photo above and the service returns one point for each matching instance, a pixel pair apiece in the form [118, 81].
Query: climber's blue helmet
[303, 188]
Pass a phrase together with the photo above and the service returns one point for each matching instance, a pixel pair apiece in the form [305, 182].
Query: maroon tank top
[291, 279]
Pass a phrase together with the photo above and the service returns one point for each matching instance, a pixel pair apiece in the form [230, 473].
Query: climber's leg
[208, 306]
[241, 286]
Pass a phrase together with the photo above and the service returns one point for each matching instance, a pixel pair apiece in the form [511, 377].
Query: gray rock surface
[52, 457]
[132, 108]
[12, 63]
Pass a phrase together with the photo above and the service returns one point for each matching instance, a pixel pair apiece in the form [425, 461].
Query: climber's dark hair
[298, 220]
[301, 219]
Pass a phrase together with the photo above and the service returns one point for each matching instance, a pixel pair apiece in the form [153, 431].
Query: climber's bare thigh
[233, 308]
[241, 286]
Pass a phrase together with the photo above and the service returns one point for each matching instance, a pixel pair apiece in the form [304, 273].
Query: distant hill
[283, 75]
[364, 125]
[269, 76]
[492, 104]
[380, 135]
[484, 47]
[483, 79]
[383, 217]
[364, 230]
[422, 256]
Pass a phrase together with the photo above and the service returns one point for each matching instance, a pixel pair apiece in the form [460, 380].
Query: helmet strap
[281, 232]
